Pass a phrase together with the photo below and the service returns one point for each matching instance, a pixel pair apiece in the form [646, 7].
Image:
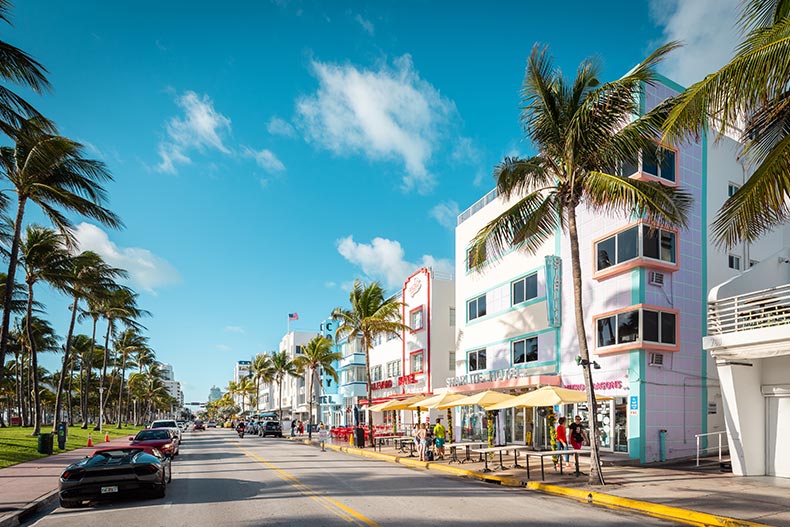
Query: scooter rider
[240, 429]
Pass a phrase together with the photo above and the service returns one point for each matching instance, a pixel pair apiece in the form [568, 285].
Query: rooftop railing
[758, 309]
[479, 204]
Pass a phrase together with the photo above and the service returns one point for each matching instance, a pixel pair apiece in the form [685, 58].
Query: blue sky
[266, 154]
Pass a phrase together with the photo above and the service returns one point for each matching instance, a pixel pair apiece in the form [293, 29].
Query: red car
[161, 439]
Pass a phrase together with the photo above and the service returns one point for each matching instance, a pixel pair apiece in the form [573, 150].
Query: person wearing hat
[439, 434]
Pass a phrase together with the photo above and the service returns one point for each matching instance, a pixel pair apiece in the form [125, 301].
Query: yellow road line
[346, 513]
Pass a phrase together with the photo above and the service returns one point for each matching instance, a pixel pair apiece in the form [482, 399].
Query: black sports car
[114, 472]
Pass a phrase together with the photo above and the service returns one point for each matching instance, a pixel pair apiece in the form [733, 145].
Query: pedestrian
[301, 427]
[562, 442]
[439, 434]
[578, 437]
[422, 442]
[323, 433]
[293, 427]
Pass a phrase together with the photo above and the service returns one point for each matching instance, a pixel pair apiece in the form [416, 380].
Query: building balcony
[746, 321]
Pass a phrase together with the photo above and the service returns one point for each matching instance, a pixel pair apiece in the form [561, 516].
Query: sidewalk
[678, 492]
[27, 486]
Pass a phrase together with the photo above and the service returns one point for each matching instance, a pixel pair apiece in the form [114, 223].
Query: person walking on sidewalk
[439, 434]
[293, 427]
[422, 442]
[578, 437]
[562, 442]
[323, 433]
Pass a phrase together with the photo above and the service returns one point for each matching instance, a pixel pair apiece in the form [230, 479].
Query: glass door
[519, 429]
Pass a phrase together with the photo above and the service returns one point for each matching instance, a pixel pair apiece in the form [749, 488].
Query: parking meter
[63, 432]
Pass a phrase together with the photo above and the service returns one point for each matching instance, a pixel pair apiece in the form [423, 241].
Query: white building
[421, 360]
[241, 370]
[294, 399]
[172, 386]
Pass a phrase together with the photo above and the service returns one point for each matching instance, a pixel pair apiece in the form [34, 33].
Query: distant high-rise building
[214, 394]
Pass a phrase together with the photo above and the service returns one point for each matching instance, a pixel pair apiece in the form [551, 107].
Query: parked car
[212, 424]
[113, 472]
[167, 423]
[162, 439]
[271, 428]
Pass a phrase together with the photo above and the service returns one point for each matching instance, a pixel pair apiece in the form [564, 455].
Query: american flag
[293, 316]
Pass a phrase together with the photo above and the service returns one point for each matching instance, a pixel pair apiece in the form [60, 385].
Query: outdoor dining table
[546, 453]
[467, 445]
[402, 441]
[490, 450]
[382, 440]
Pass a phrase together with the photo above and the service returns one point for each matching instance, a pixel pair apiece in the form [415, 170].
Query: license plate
[108, 490]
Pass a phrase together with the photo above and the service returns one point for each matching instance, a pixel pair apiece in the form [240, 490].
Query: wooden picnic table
[467, 445]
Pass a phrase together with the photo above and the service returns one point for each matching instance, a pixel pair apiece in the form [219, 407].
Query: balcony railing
[479, 204]
[758, 309]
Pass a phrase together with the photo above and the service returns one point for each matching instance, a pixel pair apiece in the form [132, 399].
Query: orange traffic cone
[90, 440]
[106, 437]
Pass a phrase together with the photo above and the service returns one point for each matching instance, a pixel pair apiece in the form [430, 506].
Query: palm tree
[749, 96]
[282, 366]
[44, 257]
[262, 372]
[88, 273]
[371, 314]
[37, 337]
[246, 388]
[578, 130]
[316, 354]
[129, 342]
[52, 172]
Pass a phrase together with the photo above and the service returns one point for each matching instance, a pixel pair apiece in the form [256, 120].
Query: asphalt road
[219, 479]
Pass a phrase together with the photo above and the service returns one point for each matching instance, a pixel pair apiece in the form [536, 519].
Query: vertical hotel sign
[554, 290]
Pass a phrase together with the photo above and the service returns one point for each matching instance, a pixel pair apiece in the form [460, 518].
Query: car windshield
[164, 424]
[145, 435]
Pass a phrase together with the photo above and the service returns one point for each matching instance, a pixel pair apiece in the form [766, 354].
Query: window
[624, 328]
[734, 262]
[476, 360]
[524, 289]
[475, 258]
[525, 350]
[451, 355]
[298, 350]
[732, 188]
[476, 307]
[416, 359]
[393, 369]
[659, 162]
[634, 242]
[452, 317]
[415, 319]
[353, 374]
[375, 373]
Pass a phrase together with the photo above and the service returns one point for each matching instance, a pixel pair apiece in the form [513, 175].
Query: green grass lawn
[18, 446]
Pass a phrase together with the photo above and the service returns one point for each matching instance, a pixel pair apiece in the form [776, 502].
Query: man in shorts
[439, 434]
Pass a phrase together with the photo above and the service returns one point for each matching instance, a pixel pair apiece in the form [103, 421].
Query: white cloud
[386, 114]
[446, 213]
[277, 126]
[266, 159]
[383, 260]
[366, 24]
[224, 348]
[235, 329]
[707, 28]
[200, 128]
[330, 284]
[466, 152]
[146, 270]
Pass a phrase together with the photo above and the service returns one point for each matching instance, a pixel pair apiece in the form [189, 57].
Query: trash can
[45, 444]
[359, 437]
[63, 432]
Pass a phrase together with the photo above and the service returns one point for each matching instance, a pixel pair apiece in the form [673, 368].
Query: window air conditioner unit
[656, 359]
[655, 278]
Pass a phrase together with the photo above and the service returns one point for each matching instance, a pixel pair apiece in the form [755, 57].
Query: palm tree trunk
[33, 362]
[120, 389]
[88, 367]
[64, 369]
[9, 282]
[596, 475]
[370, 391]
[310, 405]
[104, 368]
[280, 397]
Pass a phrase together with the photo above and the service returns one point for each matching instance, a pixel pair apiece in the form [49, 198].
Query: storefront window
[474, 423]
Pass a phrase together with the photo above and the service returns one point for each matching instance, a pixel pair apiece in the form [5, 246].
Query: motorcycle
[240, 430]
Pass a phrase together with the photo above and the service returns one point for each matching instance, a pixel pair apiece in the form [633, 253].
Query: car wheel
[69, 504]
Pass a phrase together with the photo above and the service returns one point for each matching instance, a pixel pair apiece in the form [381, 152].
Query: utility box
[359, 437]
[45, 444]
[63, 433]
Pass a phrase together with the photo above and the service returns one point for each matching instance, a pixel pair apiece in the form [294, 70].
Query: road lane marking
[346, 513]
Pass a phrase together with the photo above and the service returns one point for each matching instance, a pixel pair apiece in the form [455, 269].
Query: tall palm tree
[371, 314]
[43, 257]
[282, 367]
[38, 336]
[246, 388]
[129, 342]
[578, 129]
[52, 172]
[88, 273]
[316, 354]
[262, 372]
[748, 96]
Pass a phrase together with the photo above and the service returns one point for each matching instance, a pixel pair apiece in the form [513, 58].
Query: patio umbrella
[484, 399]
[436, 401]
[546, 396]
[395, 404]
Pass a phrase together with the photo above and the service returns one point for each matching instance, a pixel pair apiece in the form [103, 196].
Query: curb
[600, 499]
[21, 515]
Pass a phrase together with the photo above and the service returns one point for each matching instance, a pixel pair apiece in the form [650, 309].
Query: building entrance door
[777, 428]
